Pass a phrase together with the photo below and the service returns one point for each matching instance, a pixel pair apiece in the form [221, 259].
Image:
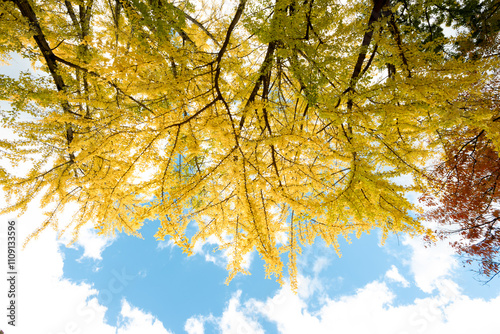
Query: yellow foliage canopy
[263, 124]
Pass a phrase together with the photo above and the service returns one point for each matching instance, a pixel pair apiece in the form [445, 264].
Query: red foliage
[468, 199]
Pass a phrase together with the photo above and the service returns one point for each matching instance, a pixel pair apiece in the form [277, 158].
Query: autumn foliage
[468, 201]
[464, 188]
[264, 125]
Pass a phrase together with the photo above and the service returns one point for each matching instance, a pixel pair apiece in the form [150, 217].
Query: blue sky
[127, 285]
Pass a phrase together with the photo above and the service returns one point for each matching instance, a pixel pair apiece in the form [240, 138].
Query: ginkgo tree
[264, 124]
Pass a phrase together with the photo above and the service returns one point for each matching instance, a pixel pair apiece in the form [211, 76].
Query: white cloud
[468, 315]
[48, 303]
[321, 263]
[135, 321]
[93, 244]
[307, 286]
[288, 311]
[166, 244]
[394, 275]
[291, 315]
[371, 310]
[430, 264]
[234, 320]
[194, 325]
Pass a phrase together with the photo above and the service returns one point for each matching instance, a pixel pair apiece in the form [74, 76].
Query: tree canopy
[264, 124]
[468, 193]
